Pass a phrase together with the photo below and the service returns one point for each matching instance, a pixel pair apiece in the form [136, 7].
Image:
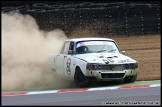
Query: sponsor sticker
[68, 66]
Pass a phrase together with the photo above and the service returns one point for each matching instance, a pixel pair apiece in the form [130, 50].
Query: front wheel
[130, 79]
[80, 79]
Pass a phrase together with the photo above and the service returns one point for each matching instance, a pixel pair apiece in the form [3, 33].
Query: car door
[60, 61]
[68, 61]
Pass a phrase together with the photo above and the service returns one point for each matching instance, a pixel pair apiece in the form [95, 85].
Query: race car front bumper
[111, 75]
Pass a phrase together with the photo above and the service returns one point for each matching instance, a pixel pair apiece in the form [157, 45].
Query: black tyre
[130, 79]
[80, 79]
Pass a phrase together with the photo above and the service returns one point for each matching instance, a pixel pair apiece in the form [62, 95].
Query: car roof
[92, 38]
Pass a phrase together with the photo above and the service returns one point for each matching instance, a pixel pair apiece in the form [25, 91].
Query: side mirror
[123, 52]
[70, 52]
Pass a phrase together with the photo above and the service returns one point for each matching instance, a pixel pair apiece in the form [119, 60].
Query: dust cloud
[25, 54]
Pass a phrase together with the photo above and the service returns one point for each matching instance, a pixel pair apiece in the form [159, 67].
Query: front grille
[129, 66]
[112, 75]
[119, 67]
[104, 67]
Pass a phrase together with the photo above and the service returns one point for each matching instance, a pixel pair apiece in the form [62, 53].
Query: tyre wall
[114, 18]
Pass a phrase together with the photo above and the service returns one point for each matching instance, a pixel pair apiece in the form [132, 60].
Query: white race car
[85, 60]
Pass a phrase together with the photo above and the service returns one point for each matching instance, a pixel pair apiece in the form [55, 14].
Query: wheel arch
[79, 63]
[83, 70]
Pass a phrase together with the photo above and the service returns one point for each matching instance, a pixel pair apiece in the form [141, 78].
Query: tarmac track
[125, 96]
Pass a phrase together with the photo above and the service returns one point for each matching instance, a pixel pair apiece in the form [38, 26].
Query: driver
[82, 49]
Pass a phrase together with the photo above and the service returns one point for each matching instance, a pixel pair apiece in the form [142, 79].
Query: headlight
[91, 66]
[131, 66]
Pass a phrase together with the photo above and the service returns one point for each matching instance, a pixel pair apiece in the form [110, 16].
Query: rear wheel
[130, 79]
[80, 79]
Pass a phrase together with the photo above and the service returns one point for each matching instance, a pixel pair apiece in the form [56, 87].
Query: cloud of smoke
[25, 52]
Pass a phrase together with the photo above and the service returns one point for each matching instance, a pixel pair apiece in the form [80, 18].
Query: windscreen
[96, 47]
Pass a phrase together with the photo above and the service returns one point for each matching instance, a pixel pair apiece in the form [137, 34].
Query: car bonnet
[105, 58]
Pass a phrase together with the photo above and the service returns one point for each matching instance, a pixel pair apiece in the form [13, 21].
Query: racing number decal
[68, 66]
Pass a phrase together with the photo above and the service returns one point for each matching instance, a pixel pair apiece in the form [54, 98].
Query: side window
[62, 50]
[66, 48]
[71, 46]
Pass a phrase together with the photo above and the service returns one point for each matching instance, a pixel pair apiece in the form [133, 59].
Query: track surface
[149, 96]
